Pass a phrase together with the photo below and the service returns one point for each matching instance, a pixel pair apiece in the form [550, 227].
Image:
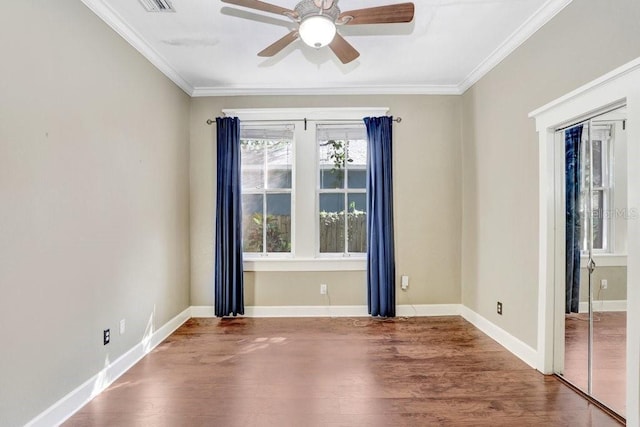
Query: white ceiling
[210, 48]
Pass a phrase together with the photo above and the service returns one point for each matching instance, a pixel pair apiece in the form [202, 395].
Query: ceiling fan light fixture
[317, 31]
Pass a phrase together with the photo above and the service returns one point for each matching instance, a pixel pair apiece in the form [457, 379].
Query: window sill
[605, 260]
[306, 264]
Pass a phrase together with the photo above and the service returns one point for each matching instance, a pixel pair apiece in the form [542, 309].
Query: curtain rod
[591, 118]
[305, 120]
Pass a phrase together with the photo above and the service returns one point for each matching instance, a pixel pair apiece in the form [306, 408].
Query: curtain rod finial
[210, 122]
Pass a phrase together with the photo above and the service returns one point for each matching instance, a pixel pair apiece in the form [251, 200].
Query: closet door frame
[559, 342]
[617, 88]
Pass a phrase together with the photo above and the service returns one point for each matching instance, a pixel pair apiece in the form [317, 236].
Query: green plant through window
[338, 153]
[277, 237]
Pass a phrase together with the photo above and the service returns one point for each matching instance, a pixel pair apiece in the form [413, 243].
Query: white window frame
[607, 189]
[304, 256]
[345, 191]
[264, 191]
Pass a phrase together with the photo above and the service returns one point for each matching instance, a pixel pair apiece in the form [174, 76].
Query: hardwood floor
[609, 356]
[335, 372]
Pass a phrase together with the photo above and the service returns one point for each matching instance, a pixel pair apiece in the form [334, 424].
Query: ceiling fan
[317, 21]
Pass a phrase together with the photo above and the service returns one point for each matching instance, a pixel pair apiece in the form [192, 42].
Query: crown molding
[334, 90]
[543, 15]
[115, 21]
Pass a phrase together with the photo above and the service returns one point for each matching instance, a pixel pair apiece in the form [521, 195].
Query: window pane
[597, 163]
[252, 179]
[279, 223]
[332, 163]
[252, 155]
[357, 163]
[598, 219]
[331, 179]
[357, 222]
[252, 214]
[279, 177]
[279, 162]
[252, 152]
[331, 223]
[357, 178]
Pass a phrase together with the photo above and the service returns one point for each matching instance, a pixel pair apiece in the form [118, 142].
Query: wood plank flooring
[435, 371]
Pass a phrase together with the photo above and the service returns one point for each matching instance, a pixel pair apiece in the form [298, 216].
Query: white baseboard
[604, 305]
[72, 402]
[526, 353]
[334, 310]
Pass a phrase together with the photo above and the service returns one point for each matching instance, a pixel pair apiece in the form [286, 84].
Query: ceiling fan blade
[343, 50]
[390, 14]
[280, 44]
[260, 5]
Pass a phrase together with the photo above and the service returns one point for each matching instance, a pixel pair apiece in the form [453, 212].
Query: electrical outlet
[323, 289]
[499, 308]
[404, 283]
[106, 336]
[604, 284]
[123, 326]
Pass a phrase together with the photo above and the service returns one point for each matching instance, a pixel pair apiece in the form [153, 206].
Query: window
[304, 188]
[602, 187]
[267, 178]
[342, 194]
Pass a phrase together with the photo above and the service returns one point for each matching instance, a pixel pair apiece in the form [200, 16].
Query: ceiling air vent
[157, 5]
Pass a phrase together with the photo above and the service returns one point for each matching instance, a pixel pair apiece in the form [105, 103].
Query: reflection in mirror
[594, 351]
[609, 282]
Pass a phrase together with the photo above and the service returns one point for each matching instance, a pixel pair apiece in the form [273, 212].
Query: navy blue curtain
[573, 235]
[229, 297]
[381, 269]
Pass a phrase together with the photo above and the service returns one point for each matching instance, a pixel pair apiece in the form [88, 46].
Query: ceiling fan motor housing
[307, 8]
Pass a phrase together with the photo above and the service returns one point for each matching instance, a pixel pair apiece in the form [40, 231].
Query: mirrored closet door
[590, 342]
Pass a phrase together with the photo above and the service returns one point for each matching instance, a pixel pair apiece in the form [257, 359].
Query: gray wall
[500, 164]
[427, 191]
[94, 212]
